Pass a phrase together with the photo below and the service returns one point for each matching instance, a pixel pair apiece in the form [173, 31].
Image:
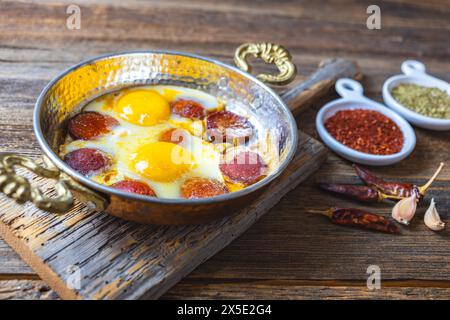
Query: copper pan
[65, 95]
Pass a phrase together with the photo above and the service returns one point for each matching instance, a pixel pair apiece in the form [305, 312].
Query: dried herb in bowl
[367, 131]
[427, 101]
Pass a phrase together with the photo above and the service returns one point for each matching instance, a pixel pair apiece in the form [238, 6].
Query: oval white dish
[351, 92]
[414, 72]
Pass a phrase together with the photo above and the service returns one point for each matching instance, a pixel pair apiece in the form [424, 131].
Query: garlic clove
[432, 219]
[404, 210]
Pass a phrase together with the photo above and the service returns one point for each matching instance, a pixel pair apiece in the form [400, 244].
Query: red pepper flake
[366, 131]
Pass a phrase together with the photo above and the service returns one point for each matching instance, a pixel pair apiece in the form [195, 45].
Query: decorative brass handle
[270, 53]
[20, 189]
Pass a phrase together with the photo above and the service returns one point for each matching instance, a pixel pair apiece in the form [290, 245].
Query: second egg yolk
[161, 161]
[142, 107]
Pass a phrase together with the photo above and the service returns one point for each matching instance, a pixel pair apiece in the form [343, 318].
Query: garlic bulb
[405, 209]
[432, 219]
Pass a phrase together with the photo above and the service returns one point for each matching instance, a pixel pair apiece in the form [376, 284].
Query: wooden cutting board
[113, 259]
[91, 255]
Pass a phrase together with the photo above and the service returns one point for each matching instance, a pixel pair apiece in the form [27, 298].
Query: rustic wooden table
[289, 253]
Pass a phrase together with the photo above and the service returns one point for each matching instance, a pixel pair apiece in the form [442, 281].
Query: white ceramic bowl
[351, 92]
[414, 73]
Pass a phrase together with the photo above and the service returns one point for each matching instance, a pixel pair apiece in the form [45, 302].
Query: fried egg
[144, 114]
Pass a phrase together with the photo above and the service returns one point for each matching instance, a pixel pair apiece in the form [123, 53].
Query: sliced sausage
[246, 167]
[188, 109]
[89, 125]
[224, 126]
[87, 161]
[134, 186]
[174, 135]
[194, 188]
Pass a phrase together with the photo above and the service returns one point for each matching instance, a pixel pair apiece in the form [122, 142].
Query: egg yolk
[142, 107]
[161, 161]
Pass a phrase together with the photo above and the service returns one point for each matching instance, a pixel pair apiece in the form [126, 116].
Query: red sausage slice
[188, 109]
[174, 135]
[246, 167]
[134, 186]
[87, 161]
[225, 125]
[89, 125]
[194, 188]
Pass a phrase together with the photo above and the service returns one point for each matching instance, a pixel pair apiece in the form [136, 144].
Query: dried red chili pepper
[361, 219]
[379, 189]
[363, 193]
[391, 188]
[358, 192]
[394, 189]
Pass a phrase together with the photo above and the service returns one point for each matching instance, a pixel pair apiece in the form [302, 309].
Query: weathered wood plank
[301, 290]
[323, 29]
[10, 262]
[301, 96]
[25, 290]
[290, 243]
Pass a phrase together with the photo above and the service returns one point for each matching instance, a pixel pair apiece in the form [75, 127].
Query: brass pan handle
[20, 189]
[270, 53]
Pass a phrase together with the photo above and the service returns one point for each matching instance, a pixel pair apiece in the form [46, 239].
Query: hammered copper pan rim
[107, 190]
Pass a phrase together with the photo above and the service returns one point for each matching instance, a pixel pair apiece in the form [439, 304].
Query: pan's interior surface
[67, 94]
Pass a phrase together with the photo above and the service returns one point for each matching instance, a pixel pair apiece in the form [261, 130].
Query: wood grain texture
[10, 262]
[303, 290]
[25, 290]
[283, 290]
[288, 243]
[308, 92]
